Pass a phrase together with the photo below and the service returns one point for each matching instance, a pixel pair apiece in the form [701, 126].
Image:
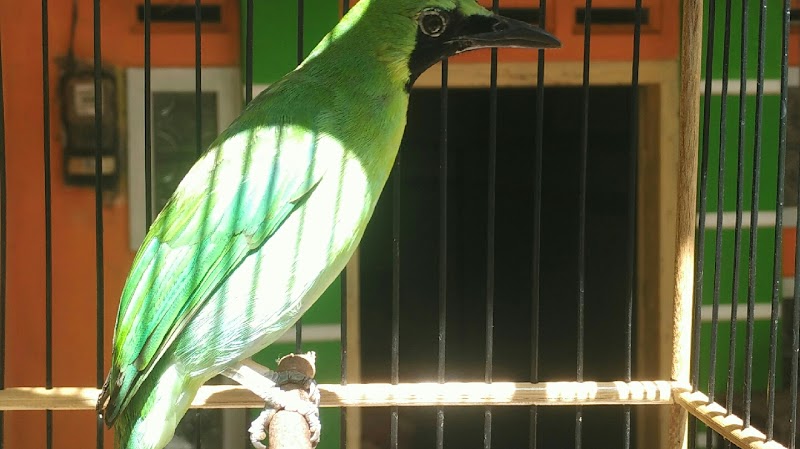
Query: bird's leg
[266, 384]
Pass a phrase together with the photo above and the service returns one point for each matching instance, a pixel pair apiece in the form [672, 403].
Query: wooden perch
[729, 426]
[379, 395]
[289, 430]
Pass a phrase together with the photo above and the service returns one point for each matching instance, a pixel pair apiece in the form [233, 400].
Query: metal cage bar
[397, 174]
[536, 268]
[582, 193]
[779, 206]
[148, 113]
[343, 421]
[491, 226]
[3, 237]
[633, 199]
[737, 245]
[298, 329]
[48, 230]
[198, 135]
[443, 222]
[98, 203]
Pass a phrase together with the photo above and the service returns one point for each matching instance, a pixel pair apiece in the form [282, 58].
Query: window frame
[224, 81]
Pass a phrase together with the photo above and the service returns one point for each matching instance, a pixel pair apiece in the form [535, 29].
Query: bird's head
[448, 27]
[412, 35]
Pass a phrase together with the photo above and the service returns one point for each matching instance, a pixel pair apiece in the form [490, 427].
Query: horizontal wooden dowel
[377, 395]
[731, 427]
[500, 393]
[558, 73]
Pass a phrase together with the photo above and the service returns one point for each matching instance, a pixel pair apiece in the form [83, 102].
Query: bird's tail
[150, 418]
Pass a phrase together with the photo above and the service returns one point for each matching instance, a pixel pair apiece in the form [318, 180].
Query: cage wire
[735, 396]
[3, 228]
[746, 403]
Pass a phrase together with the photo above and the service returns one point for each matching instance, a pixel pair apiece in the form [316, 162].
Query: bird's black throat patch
[429, 49]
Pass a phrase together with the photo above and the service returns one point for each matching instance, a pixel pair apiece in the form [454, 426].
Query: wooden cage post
[689, 122]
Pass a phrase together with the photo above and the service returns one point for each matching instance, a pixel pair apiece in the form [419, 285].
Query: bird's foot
[278, 400]
[267, 385]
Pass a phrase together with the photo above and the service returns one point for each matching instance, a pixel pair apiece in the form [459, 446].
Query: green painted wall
[773, 38]
[275, 34]
[769, 148]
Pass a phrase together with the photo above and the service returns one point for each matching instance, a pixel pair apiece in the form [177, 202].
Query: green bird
[270, 214]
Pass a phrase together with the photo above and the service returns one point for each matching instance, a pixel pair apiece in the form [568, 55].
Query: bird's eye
[432, 22]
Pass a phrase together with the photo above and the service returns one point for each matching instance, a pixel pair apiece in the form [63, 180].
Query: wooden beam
[657, 392]
[558, 73]
[689, 119]
[731, 427]
[353, 357]
[664, 257]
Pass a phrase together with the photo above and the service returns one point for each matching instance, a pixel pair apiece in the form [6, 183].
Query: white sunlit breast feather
[274, 285]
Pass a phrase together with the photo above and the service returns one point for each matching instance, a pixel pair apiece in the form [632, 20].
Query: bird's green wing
[231, 201]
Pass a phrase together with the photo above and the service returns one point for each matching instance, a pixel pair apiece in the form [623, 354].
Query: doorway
[607, 273]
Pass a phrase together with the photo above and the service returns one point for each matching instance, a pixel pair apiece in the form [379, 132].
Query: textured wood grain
[352, 416]
[377, 395]
[689, 121]
[729, 426]
[558, 73]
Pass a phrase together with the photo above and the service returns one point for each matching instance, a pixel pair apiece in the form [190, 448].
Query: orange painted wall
[73, 215]
[660, 40]
[794, 40]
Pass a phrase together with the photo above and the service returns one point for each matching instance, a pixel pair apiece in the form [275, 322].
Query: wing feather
[231, 201]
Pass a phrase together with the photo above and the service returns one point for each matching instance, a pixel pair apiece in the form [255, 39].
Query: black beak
[464, 33]
[499, 31]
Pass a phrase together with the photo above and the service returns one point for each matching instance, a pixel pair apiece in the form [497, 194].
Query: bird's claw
[259, 426]
[277, 400]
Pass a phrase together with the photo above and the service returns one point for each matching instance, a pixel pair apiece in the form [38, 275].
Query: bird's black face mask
[442, 33]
